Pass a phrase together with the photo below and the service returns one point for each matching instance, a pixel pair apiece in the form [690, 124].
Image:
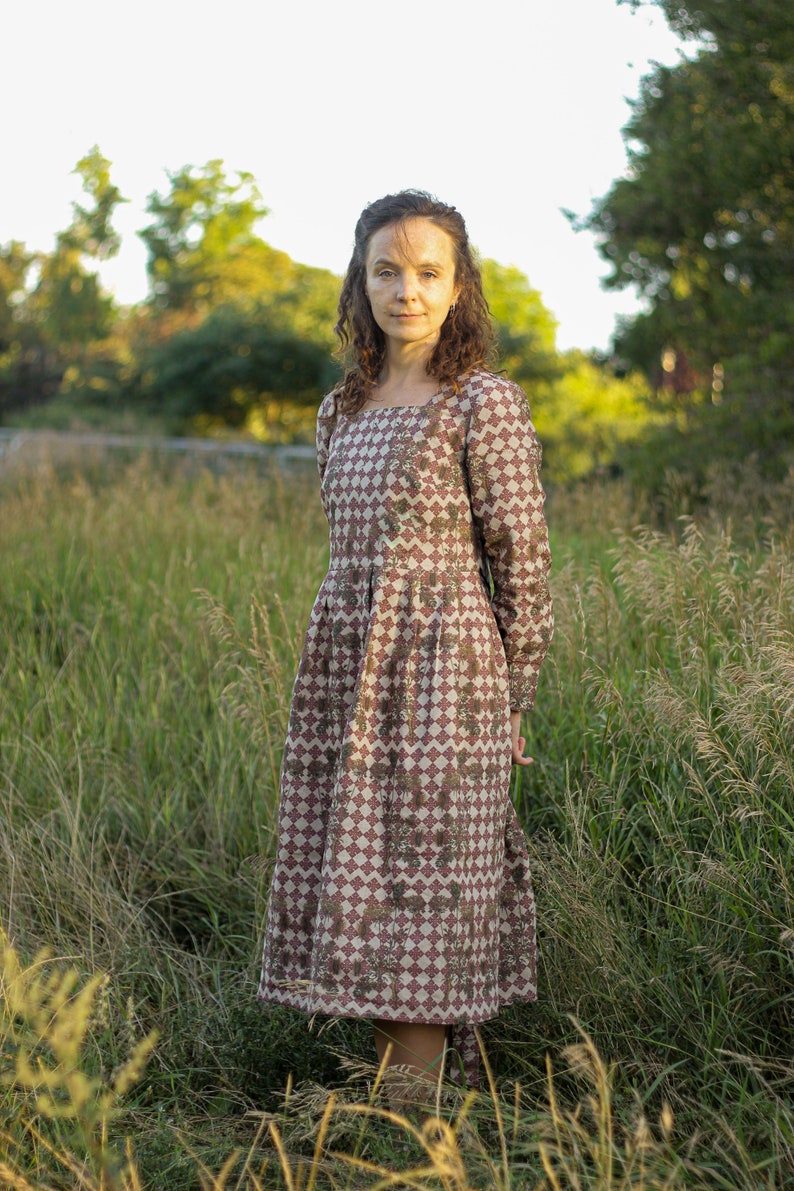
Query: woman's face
[411, 280]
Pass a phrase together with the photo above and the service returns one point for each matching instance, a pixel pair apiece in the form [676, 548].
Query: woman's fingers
[518, 741]
[518, 753]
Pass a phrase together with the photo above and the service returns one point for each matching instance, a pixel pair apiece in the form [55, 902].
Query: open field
[151, 612]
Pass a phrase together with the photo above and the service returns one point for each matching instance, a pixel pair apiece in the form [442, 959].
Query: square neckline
[378, 409]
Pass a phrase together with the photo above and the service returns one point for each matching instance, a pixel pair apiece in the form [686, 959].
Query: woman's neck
[405, 365]
[404, 380]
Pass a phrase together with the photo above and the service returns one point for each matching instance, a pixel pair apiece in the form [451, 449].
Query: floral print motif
[402, 888]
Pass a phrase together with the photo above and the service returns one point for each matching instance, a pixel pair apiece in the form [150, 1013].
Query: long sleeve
[326, 421]
[503, 460]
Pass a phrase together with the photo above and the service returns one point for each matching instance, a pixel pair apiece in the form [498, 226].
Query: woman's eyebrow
[382, 260]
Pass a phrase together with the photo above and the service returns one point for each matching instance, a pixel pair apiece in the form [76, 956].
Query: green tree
[235, 325]
[204, 253]
[526, 329]
[302, 299]
[91, 232]
[702, 225]
[588, 416]
[68, 300]
[20, 369]
[201, 238]
[52, 306]
[15, 265]
[229, 366]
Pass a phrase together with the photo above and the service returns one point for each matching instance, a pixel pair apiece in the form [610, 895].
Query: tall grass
[666, 857]
[150, 618]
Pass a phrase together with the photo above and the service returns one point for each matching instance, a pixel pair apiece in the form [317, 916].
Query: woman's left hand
[518, 741]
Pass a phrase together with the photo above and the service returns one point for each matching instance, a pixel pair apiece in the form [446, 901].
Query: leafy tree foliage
[91, 231]
[204, 253]
[22, 363]
[703, 223]
[233, 323]
[15, 264]
[228, 365]
[201, 236]
[47, 325]
[526, 328]
[588, 417]
[68, 300]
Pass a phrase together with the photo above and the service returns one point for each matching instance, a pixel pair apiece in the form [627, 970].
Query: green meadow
[151, 615]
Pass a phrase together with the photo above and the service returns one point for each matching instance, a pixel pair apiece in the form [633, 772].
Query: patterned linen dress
[402, 889]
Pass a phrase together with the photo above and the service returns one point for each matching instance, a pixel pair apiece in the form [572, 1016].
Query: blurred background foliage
[702, 225]
[236, 337]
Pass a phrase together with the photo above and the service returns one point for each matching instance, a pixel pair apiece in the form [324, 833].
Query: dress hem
[295, 1001]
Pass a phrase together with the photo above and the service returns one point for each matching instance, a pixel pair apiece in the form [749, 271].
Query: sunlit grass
[56, 1117]
[151, 616]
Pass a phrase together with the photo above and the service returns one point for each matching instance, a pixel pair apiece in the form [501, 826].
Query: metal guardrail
[12, 439]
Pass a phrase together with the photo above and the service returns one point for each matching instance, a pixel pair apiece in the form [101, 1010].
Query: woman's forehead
[414, 241]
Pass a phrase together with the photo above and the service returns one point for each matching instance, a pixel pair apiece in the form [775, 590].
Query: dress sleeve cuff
[522, 690]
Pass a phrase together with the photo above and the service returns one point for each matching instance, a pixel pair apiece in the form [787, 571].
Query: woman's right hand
[518, 742]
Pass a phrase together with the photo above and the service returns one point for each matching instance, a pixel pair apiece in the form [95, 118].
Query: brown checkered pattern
[402, 888]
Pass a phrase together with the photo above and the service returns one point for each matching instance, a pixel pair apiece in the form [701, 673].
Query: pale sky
[509, 109]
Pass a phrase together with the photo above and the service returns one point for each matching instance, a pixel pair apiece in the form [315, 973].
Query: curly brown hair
[466, 339]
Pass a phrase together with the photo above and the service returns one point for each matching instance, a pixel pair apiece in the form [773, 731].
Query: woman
[402, 890]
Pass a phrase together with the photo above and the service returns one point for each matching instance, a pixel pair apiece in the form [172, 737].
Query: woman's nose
[406, 287]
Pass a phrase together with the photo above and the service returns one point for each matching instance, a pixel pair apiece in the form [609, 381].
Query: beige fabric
[402, 888]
